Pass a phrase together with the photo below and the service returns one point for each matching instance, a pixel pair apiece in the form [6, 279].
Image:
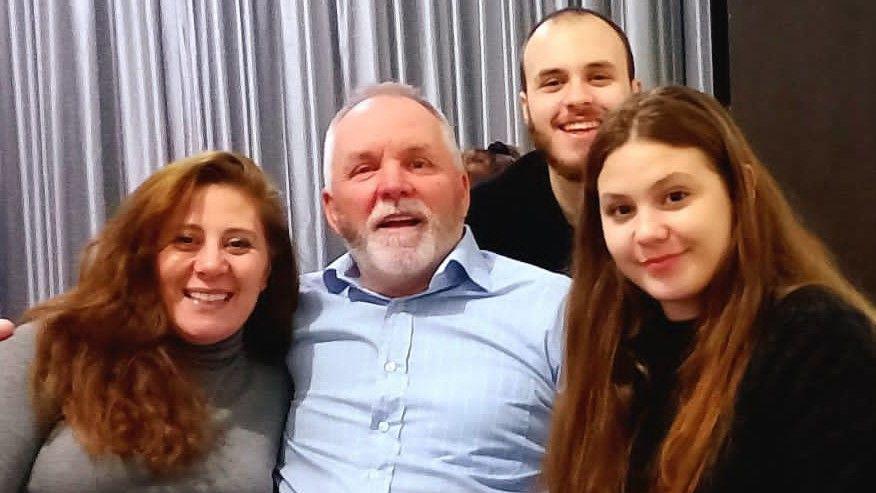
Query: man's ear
[636, 86]
[524, 107]
[328, 208]
[466, 192]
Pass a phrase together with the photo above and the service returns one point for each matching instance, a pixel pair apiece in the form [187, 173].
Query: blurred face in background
[478, 164]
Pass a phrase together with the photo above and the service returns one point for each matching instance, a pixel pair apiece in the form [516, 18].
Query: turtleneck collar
[216, 355]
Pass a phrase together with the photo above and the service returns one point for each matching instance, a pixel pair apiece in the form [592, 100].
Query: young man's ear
[524, 107]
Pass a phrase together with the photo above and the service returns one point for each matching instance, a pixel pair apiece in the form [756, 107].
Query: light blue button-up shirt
[447, 390]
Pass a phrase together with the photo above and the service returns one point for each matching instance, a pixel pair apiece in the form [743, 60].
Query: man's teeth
[207, 297]
[577, 126]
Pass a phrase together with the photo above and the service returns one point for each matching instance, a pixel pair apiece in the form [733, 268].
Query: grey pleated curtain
[97, 94]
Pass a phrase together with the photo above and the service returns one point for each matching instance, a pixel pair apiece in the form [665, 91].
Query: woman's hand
[6, 328]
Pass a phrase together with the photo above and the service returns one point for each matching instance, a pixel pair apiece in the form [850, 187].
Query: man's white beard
[400, 255]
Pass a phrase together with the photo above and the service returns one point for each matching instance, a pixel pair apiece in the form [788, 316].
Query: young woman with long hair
[162, 368]
[711, 343]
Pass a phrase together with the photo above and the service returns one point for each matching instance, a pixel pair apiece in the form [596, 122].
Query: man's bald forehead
[374, 103]
[372, 94]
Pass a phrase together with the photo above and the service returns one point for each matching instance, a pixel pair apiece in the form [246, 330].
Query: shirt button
[383, 426]
[390, 366]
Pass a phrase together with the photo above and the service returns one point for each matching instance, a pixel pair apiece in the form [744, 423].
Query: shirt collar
[465, 263]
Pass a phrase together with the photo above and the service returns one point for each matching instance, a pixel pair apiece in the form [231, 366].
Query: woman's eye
[239, 244]
[676, 196]
[184, 242]
[619, 211]
[623, 210]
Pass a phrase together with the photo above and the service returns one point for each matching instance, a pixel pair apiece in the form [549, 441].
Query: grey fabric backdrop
[97, 94]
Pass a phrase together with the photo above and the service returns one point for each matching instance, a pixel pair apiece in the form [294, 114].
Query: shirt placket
[388, 412]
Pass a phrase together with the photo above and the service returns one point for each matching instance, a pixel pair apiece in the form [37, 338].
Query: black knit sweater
[517, 215]
[805, 416]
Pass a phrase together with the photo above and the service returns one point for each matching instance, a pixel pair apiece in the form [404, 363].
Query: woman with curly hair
[162, 368]
[711, 343]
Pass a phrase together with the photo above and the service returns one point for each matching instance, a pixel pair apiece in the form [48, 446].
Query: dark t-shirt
[805, 415]
[517, 215]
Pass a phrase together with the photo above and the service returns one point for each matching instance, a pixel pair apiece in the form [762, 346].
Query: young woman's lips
[661, 263]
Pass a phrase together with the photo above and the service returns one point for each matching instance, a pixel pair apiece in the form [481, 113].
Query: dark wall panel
[802, 84]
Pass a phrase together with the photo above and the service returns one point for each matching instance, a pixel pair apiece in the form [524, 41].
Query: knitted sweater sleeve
[20, 440]
[806, 412]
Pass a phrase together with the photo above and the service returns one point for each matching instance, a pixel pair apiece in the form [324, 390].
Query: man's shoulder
[508, 273]
[312, 280]
[312, 285]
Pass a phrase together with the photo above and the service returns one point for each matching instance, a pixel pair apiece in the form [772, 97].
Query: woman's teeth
[207, 297]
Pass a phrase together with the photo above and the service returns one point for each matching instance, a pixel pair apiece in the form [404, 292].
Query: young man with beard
[420, 362]
[577, 65]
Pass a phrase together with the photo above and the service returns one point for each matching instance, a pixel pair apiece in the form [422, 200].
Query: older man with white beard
[420, 362]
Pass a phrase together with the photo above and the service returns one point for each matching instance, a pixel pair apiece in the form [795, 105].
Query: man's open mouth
[399, 221]
[580, 126]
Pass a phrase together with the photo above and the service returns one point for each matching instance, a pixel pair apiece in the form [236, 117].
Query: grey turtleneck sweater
[250, 401]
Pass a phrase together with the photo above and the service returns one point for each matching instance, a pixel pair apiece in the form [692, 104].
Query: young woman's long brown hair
[771, 253]
[105, 358]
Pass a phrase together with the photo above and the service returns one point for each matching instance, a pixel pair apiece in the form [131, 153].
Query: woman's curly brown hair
[106, 357]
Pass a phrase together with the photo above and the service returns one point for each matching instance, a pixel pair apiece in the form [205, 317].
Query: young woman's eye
[676, 196]
[623, 210]
[619, 211]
